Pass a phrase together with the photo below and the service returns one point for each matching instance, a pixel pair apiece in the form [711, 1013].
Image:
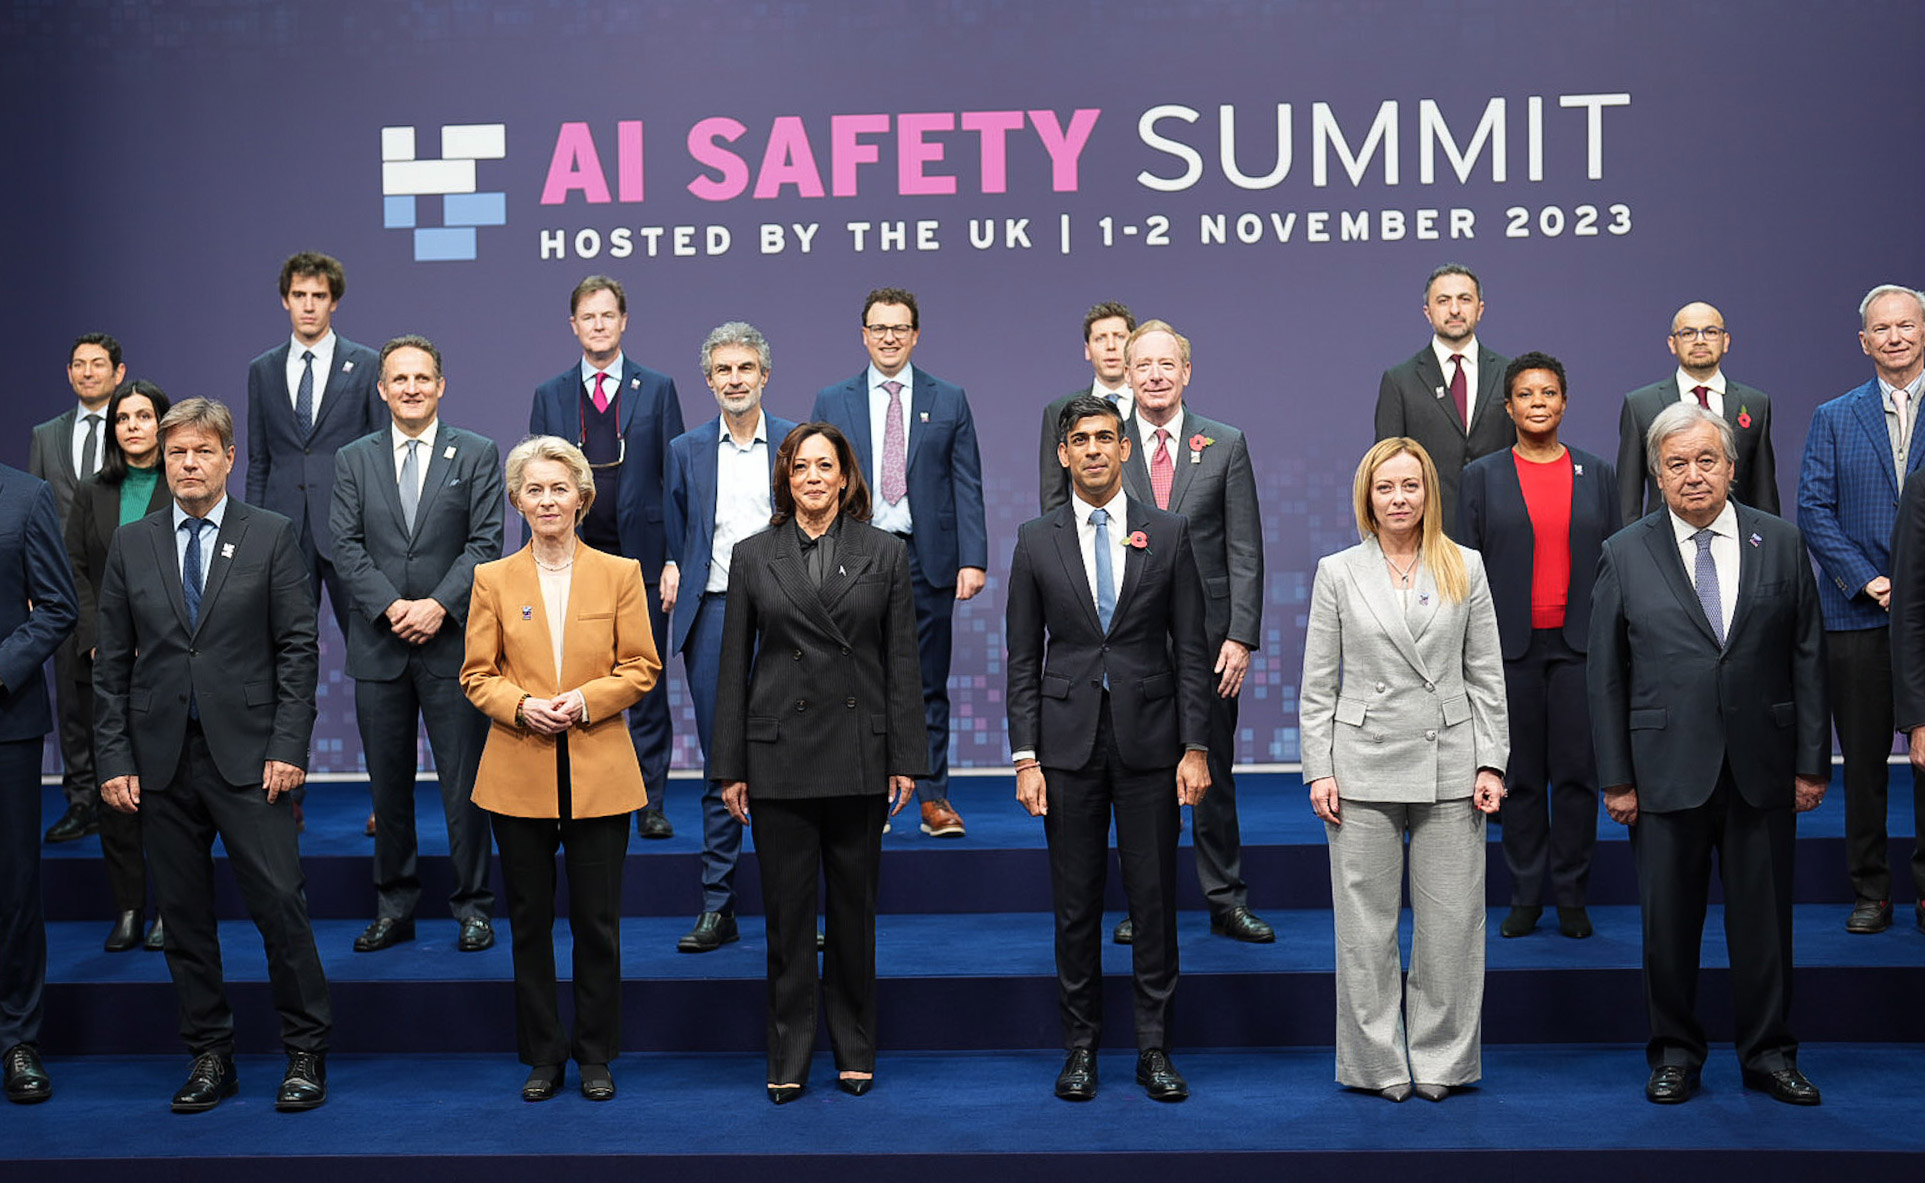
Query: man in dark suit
[416, 507]
[66, 449]
[717, 493]
[1109, 703]
[203, 702]
[1706, 675]
[916, 439]
[1106, 337]
[305, 399]
[1200, 468]
[1699, 341]
[623, 416]
[38, 607]
[1449, 397]
[1858, 459]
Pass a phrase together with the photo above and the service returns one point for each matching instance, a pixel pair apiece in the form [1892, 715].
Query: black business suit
[90, 533]
[1747, 410]
[1413, 400]
[457, 525]
[50, 456]
[818, 704]
[248, 669]
[1712, 739]
[1908, 645]
[1552, 766]
[1109, 750]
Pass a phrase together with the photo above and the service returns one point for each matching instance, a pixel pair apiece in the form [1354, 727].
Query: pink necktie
[601, 396]
[1459, 389]
[1162, 469]
[1704, 396]
[895, 449]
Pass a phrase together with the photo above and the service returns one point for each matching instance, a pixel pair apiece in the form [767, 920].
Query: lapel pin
[841, 570]
[1437, 393]
[345, 367]
[227, 550]
[1578, 469]
[634, 383]
[925, 416]
[1756, 540]
[527, 611]
[1423, 599]
[449, 454]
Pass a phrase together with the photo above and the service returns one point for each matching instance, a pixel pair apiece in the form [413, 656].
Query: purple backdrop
[162, 159]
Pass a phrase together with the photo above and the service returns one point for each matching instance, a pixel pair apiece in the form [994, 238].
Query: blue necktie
[1105, 583]
[190, 571]
[1706, 573]
[304, 395]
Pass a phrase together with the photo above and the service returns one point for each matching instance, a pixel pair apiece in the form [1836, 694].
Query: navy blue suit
[650, 413]
[695, 627]
[945, 474]
[37, 612]
[1550, 819]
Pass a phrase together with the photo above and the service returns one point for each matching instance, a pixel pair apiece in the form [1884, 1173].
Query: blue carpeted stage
[424, 1080]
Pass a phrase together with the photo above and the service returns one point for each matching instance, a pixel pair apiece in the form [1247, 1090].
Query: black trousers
[23, 919]
[180, 821]
[594, 848]
[386, 712]
[840, 840]
[73, 675]
[1858, 667]
[1217, 836]
[1673, 853]
[1550, 818]
[1081, 803]
[124, 852]
[935, 629]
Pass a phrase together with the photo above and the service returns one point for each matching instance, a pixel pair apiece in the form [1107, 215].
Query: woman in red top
[1539, 513]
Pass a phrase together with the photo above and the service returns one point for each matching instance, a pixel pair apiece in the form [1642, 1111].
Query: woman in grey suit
[1404, 734]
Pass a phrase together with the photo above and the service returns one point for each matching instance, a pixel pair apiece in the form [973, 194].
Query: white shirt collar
[215, 515]
[1114, 506]
[1725, 524]
[761, 428]
[1686, 383]
[398, 439]
[321, 348]
[906, 376]
[613, 369]
[1443, 349]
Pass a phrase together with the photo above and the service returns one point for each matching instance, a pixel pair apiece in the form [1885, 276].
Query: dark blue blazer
[690, 499]
[1492, 519]
[651, 414]
[290, 473]
[38, 604]
[945, 469]
[1848, 503]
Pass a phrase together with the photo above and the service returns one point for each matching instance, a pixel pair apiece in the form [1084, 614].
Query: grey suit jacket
[1214, 488]
[1747, 410]
[51, 458]
[1400, 711]
[457, 525]
[1414, 400]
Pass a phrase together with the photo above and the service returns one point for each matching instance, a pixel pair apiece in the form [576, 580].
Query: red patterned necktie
[895, 448]
[1459, 389]
[1162, 469]
[601, 395]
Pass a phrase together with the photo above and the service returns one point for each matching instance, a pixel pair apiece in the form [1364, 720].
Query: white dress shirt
[79, 442]
[398, 440]
[1714, 385]
[1146, 442]
[742, 504]
[1725, 553]
[323, 351]
[1125, 397]
[1443, 349]
[894, 518]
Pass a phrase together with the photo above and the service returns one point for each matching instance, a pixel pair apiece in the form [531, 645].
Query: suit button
[801, 704]
[1106, 648]
[849, 702]
[845, 651]
[797, 655]
[1381, 687]
[1427, 685]
[1430, 736]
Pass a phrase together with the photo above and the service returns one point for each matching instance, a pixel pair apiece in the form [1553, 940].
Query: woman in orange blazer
[558, 647]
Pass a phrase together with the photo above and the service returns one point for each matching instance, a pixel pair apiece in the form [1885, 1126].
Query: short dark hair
[1082, 407]
[1104, 311]
[408, 341]
[1453, 269]
[1535, 361]
[314, 263]
[598, 283]
[891, 296]
[101, 339]
[113, 462]
[855, 494]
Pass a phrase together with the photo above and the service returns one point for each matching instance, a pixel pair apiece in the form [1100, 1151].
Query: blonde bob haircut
[551, 447]
[1439, 553]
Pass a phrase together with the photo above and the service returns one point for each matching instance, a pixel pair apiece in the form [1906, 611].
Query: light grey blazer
[1396, 710]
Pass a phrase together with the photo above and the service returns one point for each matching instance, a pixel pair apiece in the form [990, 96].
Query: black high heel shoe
[782, 1094]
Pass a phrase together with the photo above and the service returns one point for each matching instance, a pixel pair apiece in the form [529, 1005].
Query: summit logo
[406, 179]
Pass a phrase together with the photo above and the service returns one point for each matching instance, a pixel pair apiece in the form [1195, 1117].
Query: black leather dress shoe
[1786, 1084]
[651, 823]
[1241, 924]
[305, 1084]
[712, 930]
[1124, 933]
[782, 1094]
[1869, 916]
[1521, 922]
[382, 933]
[1574, 923]
[1077, 1080]
[544, 1081]
[1159, 1077]
[476, 934]
[856, 1086]
[211, 1080]
[597, 1084]
[126, 933]
[78, 822]
[156, 937]
[27, 1079]
[1671, 1084]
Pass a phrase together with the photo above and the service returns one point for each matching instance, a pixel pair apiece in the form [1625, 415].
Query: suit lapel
[1662, 542]
[705, 485]
[786, 568]
[1069, 551]
[1751, 561]
[1490, 401]
[1134, 558]
[1431, 376]
[1136, 470]
[161, 534]
[64, 454]
[525, 613]
[1870, 413]
[631, 394]
[852, 559]
[1370, 573]
[855, 403]
[334, 381]
[447, 447]
[922, 402]
[1184, 460]
[227, 543]
[388, 481]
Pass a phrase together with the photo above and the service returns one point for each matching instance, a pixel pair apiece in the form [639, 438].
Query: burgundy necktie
[601, 395]
[1162, 469]
[895, 448]
[1704, 396]
[1459, 389]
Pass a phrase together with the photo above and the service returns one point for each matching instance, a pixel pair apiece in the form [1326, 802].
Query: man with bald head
[1699, 341]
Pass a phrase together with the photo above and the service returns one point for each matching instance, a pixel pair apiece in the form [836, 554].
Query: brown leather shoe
[939, 820]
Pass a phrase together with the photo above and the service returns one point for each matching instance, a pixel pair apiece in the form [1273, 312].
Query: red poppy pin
[1744, 417]
[1199, 441]
[1139, 540]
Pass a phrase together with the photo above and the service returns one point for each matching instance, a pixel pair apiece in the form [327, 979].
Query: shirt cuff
[1025, 755]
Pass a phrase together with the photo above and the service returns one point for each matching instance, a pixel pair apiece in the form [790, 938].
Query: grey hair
[1888, 289]
[735, 332]
[1679, 418]
[551, 447]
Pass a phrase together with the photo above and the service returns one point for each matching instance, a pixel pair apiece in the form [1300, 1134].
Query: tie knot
[893, 387]
[1703, 538]
[1458, 358]
[193, 527]
[307, 355]
[1163, 434]
[413, 444]
[92, 418]
[1099, 518]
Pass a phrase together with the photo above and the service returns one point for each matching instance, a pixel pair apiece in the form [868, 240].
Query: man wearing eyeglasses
[917, 442]
[622, 416]
[1699, 341]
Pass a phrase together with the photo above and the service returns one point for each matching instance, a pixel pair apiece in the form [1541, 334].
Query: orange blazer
[608, 653]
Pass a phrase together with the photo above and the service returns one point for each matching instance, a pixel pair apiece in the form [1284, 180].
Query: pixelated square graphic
[406, 178]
